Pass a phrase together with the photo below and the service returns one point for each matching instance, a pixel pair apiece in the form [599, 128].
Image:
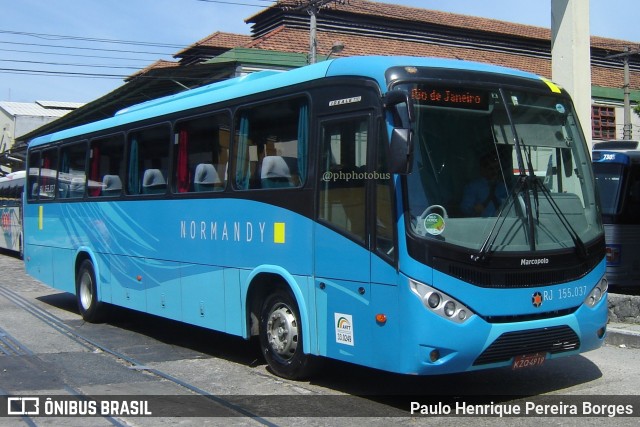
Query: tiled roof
[161, 63]
[447, 19]
[395, 11]
[218, 39]
[294, 40]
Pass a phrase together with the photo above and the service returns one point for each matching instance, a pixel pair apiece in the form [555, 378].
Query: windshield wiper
[485, 251]
[487, 245]
[521, 169]
[581, 248]
[534, 184]
[532, 180]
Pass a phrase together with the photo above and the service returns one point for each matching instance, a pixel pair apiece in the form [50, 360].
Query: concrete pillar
[571, 55]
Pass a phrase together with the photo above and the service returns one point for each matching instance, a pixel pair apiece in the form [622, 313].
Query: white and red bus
[11, 187]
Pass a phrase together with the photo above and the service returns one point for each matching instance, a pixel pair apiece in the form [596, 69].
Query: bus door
[344, 261]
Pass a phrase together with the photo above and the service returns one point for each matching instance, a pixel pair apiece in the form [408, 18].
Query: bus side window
[631, 209]
[71, 178]
[384, 201]
[32, 176]
[148, 165]
[342, 172]
[48, 174]
[106, 166]
[272, 145]
[201, 154]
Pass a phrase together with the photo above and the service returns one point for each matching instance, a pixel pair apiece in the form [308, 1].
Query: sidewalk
[624, 320]
[623, 334]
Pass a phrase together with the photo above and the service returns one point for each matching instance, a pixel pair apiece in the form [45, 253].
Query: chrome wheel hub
[86, 294]
[282, 332]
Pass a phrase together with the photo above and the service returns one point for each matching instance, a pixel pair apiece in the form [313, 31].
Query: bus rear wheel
[91, 309]
[281, 337]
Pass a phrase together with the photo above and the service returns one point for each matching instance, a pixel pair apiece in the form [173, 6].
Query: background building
[20, 118]
[280, 40]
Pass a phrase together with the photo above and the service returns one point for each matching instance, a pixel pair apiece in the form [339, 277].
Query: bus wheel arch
[89, 305]
[274, 315]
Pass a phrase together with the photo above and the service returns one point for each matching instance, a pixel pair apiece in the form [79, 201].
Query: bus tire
[281, 337]
[89, 306]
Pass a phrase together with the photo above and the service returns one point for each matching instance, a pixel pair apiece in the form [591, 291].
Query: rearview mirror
[401, 151]
[401, 144]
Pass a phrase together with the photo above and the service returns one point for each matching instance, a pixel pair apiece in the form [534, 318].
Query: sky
[80, 50]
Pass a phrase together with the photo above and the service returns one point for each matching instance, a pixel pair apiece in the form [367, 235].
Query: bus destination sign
[450, 97]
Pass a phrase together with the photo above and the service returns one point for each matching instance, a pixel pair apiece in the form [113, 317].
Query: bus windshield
[609, 182]
[497, 169]
[617, 176]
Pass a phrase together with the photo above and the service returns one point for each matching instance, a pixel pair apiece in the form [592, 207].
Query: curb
[622, 335]
[624, 321]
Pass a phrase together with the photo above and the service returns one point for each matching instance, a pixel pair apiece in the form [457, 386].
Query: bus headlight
[440, 303]
[597, 293]
[450, 308]
[434, 300]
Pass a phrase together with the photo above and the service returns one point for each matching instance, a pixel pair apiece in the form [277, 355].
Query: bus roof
[13, 175]
[621, 151]
[12, 180]
[373, 67]
[616, 144]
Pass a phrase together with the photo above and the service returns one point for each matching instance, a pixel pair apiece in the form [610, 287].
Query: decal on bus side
[344, 329]
[235, 231]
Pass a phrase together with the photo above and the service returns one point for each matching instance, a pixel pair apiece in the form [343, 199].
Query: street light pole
[313, 41]
[627, 98]
[626, 133]
[313, 7]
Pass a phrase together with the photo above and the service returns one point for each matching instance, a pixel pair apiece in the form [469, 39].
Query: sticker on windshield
[434, 224]
[560, 108]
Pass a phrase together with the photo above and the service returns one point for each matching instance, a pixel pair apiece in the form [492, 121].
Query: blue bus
[11, 186]
[321, 211]
[616, 165]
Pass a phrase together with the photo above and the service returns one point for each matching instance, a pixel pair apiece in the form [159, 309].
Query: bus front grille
[553, 340]
[531, 316]
[515, 279]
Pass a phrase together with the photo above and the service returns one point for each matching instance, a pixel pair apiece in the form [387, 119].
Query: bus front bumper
[478, 344]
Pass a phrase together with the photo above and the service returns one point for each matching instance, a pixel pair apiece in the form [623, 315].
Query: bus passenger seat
[278, 172]
[63, 190]
[153, 182]
[112, 185]
[76, 187]
[206, 178]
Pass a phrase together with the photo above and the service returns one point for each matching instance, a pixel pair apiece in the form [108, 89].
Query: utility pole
[571, 56]
[313, 8]
[626, 133]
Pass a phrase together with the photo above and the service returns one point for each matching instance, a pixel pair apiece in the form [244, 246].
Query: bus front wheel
[91, 309]
[281, 337]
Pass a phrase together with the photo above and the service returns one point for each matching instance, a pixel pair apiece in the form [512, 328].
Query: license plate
[528, 360]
